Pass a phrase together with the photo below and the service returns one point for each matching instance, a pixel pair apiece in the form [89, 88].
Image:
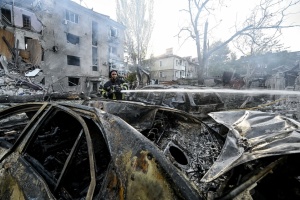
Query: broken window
[73, 81]
[155, 98]
[142, 96]
[26, 21]
[73, 39]
[6, 15]
[94, 86]
[61, 154]
[73, 60]
[72, 17]
[113, 32]
[101, 152]
[95, 68]
[113, 50]
[12, 124]
[94, 33]
[95, 58]
[172, 97]
[26, 41]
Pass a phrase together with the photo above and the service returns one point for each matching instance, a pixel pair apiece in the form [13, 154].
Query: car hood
[253, 135]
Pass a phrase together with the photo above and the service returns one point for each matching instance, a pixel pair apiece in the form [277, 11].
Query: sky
[168, 19]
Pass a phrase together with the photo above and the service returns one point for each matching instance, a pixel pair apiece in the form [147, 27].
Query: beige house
[73, 45]
[170, 67]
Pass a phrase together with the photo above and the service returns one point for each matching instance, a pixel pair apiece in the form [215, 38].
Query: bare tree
[137, 16]
[256, 42]
[260, 40]
[267, 15]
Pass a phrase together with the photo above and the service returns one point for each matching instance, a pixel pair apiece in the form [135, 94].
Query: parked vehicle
[194, 102]
[130, 150]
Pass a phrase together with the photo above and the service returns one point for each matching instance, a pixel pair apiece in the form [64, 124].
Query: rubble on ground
[13, 82]
[24, 82]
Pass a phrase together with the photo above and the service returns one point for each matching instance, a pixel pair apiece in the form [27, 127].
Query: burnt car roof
[190, 99]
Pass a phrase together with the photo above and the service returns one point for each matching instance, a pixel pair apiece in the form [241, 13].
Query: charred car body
[195, 103]
[169, 154]
[229, 156]
[50, 151]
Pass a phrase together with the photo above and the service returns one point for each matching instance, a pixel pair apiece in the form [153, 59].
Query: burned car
[129, 150]
[61, 151]
[233, 155]
[196, 103]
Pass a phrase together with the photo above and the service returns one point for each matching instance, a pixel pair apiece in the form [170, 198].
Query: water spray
[227, 91]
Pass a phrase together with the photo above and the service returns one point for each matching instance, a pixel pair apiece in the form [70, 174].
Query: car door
[56, 158]
[14, 122]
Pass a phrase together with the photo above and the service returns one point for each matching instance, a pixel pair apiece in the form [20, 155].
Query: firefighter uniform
[112, 89]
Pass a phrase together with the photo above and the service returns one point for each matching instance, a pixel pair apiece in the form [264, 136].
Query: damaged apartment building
[73, 47]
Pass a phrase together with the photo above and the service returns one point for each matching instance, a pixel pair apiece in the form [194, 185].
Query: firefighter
[112, 88]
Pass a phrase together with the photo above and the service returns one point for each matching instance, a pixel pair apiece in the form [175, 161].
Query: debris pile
[24, 82]
[14, 85]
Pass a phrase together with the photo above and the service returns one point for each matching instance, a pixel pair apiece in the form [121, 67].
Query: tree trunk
[200, 69]
[201, 58]
[205, 55]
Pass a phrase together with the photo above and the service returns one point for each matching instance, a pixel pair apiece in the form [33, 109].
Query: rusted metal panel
[194, 102]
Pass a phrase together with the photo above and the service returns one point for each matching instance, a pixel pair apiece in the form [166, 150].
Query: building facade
[170, 67]
[73, 45]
